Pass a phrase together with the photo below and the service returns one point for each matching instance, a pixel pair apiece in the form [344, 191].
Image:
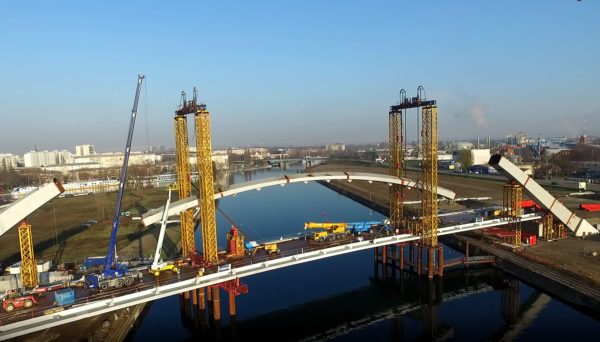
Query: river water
[340, 299]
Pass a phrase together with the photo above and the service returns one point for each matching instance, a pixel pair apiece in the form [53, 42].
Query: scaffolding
[186, 217]
[429, 169]
[207, 187]
[29, 275]
[396, 167]
[512, 196]
[548, 226]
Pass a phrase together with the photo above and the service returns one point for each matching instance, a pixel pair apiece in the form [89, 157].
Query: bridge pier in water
[390, 261]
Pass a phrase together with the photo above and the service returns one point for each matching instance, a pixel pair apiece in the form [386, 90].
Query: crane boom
[109, 270]
[161, 235]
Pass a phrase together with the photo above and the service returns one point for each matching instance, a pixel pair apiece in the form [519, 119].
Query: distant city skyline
[304, 73]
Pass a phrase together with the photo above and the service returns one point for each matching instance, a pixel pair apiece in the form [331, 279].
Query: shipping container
[44, 266]
[529, 238]
[64, 297]
[59, 276]
[15, 268]
[8, 282]
[44, 277]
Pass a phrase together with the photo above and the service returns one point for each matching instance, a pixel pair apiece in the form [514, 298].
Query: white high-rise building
[8, 160]
[85, 150]
[46, 158]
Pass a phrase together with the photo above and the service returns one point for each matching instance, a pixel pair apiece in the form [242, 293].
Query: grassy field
[57, 229]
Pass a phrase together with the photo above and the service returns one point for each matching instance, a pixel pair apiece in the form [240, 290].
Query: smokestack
[489, 144]
[478, 143]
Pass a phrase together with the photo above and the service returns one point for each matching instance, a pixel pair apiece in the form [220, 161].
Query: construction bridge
[211, 271]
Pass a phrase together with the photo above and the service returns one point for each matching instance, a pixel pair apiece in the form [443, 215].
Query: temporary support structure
[207, 187]
[29, 275]
[577, 225]
[396, 165]
[547, 223]
[429, 203]
[188, 244]
[512, 196]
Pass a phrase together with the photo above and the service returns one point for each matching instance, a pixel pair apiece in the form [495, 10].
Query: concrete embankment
[571, 289]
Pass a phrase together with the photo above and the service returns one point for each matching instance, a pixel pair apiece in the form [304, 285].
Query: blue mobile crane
[114, 274]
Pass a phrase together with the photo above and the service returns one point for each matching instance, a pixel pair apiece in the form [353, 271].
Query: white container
[44, 266]
[8, 283]
[59, 276]
[15, 268]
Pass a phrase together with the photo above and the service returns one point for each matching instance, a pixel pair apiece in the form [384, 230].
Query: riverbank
[573, 258]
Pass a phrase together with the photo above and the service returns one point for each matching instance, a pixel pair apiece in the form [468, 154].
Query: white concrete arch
[154, 215]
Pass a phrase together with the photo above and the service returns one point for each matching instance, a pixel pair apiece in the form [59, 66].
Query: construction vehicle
[19, 300]
[367, 227]
[159, 265]
[270, 247]
[114, 274]
[327, 231]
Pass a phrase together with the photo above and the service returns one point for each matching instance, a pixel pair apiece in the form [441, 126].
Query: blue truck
[118, 278]
[367, 227]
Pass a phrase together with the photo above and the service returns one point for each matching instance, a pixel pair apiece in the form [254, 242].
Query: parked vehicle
[26, 301]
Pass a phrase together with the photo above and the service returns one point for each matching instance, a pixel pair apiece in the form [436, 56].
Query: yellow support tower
[548, 224]
[188, 244]
[429, 168]
[29, 275]
[512, 195]
[396, 167]
[207, 186]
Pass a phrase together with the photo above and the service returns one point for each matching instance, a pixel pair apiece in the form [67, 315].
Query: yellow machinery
[29, 274]
[326, 231]
[269, 247]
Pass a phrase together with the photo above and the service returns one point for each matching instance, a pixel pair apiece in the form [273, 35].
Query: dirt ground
[576, 256]
[57, 230]
[571, 255]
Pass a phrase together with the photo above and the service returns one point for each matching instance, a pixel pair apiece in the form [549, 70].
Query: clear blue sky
[294, 72]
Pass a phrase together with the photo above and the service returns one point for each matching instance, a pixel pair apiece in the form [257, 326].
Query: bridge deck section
[91, 304]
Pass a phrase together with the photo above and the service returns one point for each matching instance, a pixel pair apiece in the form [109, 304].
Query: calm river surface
[338, 298]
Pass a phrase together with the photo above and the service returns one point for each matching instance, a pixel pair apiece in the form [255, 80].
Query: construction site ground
[580, 257]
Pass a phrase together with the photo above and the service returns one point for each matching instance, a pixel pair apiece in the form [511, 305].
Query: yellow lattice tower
[548, 225]
[558, 230]
[29, 275]
[182, 152]
[512, 195]
[396, 167]
[207, 187]
[429, 168]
